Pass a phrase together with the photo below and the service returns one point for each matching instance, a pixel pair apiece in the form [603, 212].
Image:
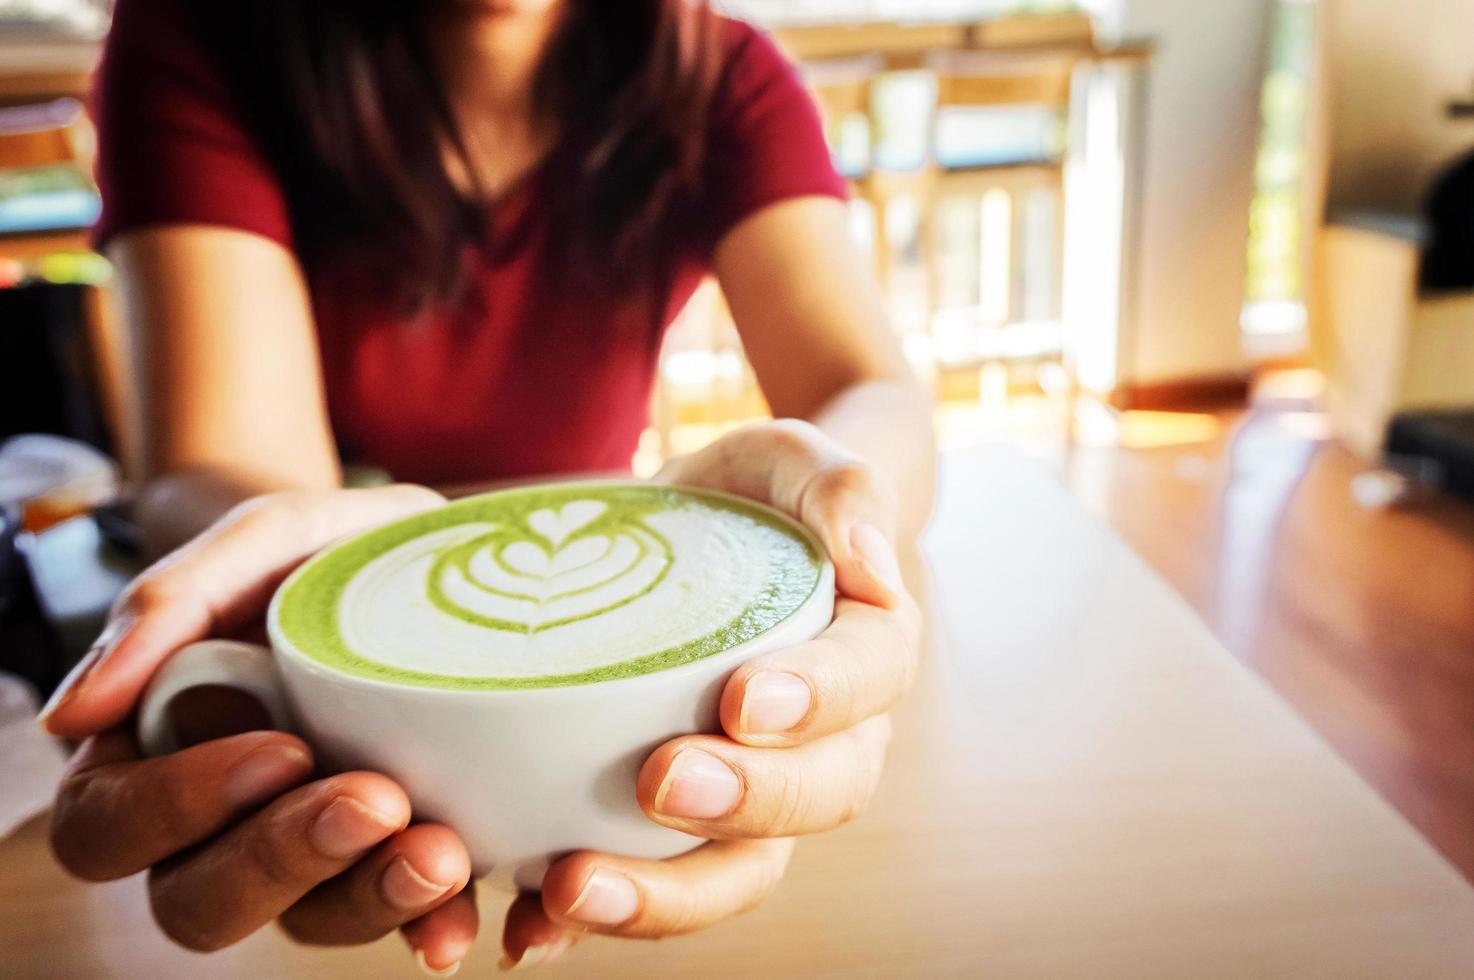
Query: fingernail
[266, 773]
[534, 956]
[877, 554]
[608, 899]
[698, 786]
[68, 690]
[774, 702]
[406, 889]
[346, 827]
[428, 970]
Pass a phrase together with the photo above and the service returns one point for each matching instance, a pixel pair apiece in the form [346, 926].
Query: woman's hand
[235, 832]
[805, 728]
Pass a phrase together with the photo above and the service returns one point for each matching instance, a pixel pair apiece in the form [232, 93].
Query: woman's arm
[225, 355]
[814, 327]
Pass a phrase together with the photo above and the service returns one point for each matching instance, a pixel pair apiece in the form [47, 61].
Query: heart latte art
[551, 586]
[507, 579]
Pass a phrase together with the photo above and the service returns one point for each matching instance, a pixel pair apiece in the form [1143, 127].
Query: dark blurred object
[29, 646]
[1448, 259]
[1444, 438]
[115, 521]
[10, 563]
[46, 377]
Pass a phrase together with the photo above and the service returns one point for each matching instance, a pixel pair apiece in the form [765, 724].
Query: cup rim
[823, 591]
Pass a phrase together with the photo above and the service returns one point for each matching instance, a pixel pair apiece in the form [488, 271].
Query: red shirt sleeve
[767, 141]
[171, 147]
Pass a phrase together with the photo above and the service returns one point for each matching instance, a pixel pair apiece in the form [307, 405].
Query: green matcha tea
[550, 586]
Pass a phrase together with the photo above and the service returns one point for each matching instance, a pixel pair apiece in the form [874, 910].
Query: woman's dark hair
[349, 105]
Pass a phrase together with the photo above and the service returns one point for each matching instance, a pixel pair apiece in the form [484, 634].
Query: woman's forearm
[813, 323]
[888, 423]
[226, 372]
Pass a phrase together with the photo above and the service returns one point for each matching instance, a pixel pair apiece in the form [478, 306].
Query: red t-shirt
[508, 382]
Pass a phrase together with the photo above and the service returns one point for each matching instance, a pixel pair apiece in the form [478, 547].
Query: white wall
[1203, 127]
[1392, 68]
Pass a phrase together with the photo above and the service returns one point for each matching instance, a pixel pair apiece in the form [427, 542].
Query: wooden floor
[1362, 618]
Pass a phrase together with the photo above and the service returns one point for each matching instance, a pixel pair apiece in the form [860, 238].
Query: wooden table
[1085, 784]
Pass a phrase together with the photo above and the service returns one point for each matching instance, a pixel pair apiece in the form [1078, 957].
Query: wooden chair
[992, 79]
[1012, 60]
[901, 45]
[1066, 29]
[907, 44]
[844, 89]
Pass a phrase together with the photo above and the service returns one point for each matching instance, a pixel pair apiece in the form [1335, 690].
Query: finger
[857, 668]
[405, 877]
[714, 788]
[212, 586]
[213, 896]
[116, 814]
[530, 938]
[442, 938]
[796, 468]
[645, 899]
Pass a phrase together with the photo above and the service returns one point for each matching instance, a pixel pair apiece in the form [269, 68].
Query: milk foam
[553, 585]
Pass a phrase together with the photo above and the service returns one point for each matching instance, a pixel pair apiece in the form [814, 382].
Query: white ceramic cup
[524, 776]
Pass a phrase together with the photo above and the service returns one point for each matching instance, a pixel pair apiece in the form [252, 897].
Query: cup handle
[247, 667]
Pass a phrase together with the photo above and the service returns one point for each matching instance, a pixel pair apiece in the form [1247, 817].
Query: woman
[444, 238]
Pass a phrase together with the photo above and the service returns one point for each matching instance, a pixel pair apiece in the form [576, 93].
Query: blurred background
[1212, 261]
